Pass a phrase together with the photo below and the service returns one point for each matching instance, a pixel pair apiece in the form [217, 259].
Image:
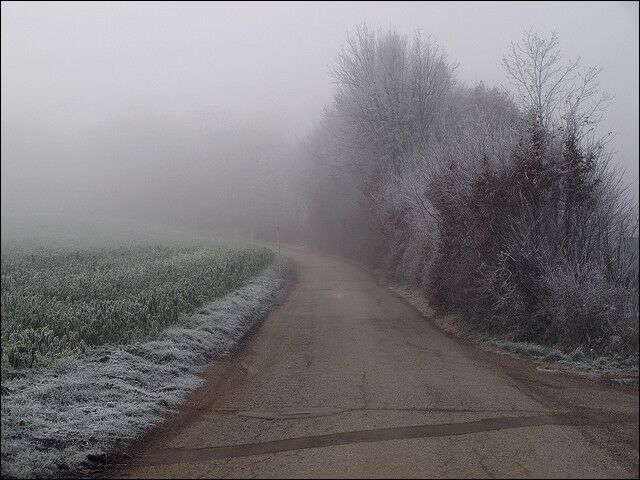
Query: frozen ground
[576, 360]
[57, 419]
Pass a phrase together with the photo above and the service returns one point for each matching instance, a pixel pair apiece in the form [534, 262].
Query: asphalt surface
[345, 379]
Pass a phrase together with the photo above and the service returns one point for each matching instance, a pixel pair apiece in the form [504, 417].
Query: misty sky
[68, 65]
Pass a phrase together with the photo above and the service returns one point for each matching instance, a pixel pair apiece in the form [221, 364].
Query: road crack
[173, 456]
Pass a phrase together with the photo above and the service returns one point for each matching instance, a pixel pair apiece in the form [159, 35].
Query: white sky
[73, 63]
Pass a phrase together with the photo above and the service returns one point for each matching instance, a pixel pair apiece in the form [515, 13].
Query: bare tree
[507, 211]
[535, 67]
[391, 91]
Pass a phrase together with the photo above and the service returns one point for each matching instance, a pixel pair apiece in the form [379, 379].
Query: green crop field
[58, 303]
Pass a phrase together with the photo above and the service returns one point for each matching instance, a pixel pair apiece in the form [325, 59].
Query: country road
[345, 379]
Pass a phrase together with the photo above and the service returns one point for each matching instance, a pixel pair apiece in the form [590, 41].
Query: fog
[192, 114]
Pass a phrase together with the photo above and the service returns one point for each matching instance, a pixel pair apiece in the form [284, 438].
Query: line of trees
[218, 176]
[501, 206]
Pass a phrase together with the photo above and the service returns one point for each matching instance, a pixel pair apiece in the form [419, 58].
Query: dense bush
[583, 308]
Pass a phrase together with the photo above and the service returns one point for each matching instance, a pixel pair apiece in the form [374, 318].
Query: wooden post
[278, 244]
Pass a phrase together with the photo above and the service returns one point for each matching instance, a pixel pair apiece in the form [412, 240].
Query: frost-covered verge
[576, 360]
[62, 302]
[60, 418]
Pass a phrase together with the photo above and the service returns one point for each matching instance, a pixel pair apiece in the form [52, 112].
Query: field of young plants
[58, 303]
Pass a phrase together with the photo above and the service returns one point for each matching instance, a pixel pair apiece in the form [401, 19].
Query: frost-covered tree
[485, 199]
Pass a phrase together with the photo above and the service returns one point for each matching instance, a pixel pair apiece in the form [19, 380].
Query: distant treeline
[208, 173]
[501, 206]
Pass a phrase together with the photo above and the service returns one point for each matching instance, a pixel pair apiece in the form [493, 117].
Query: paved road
[344, 379]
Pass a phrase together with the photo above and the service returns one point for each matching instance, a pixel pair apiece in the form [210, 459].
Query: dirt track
[345, 379]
